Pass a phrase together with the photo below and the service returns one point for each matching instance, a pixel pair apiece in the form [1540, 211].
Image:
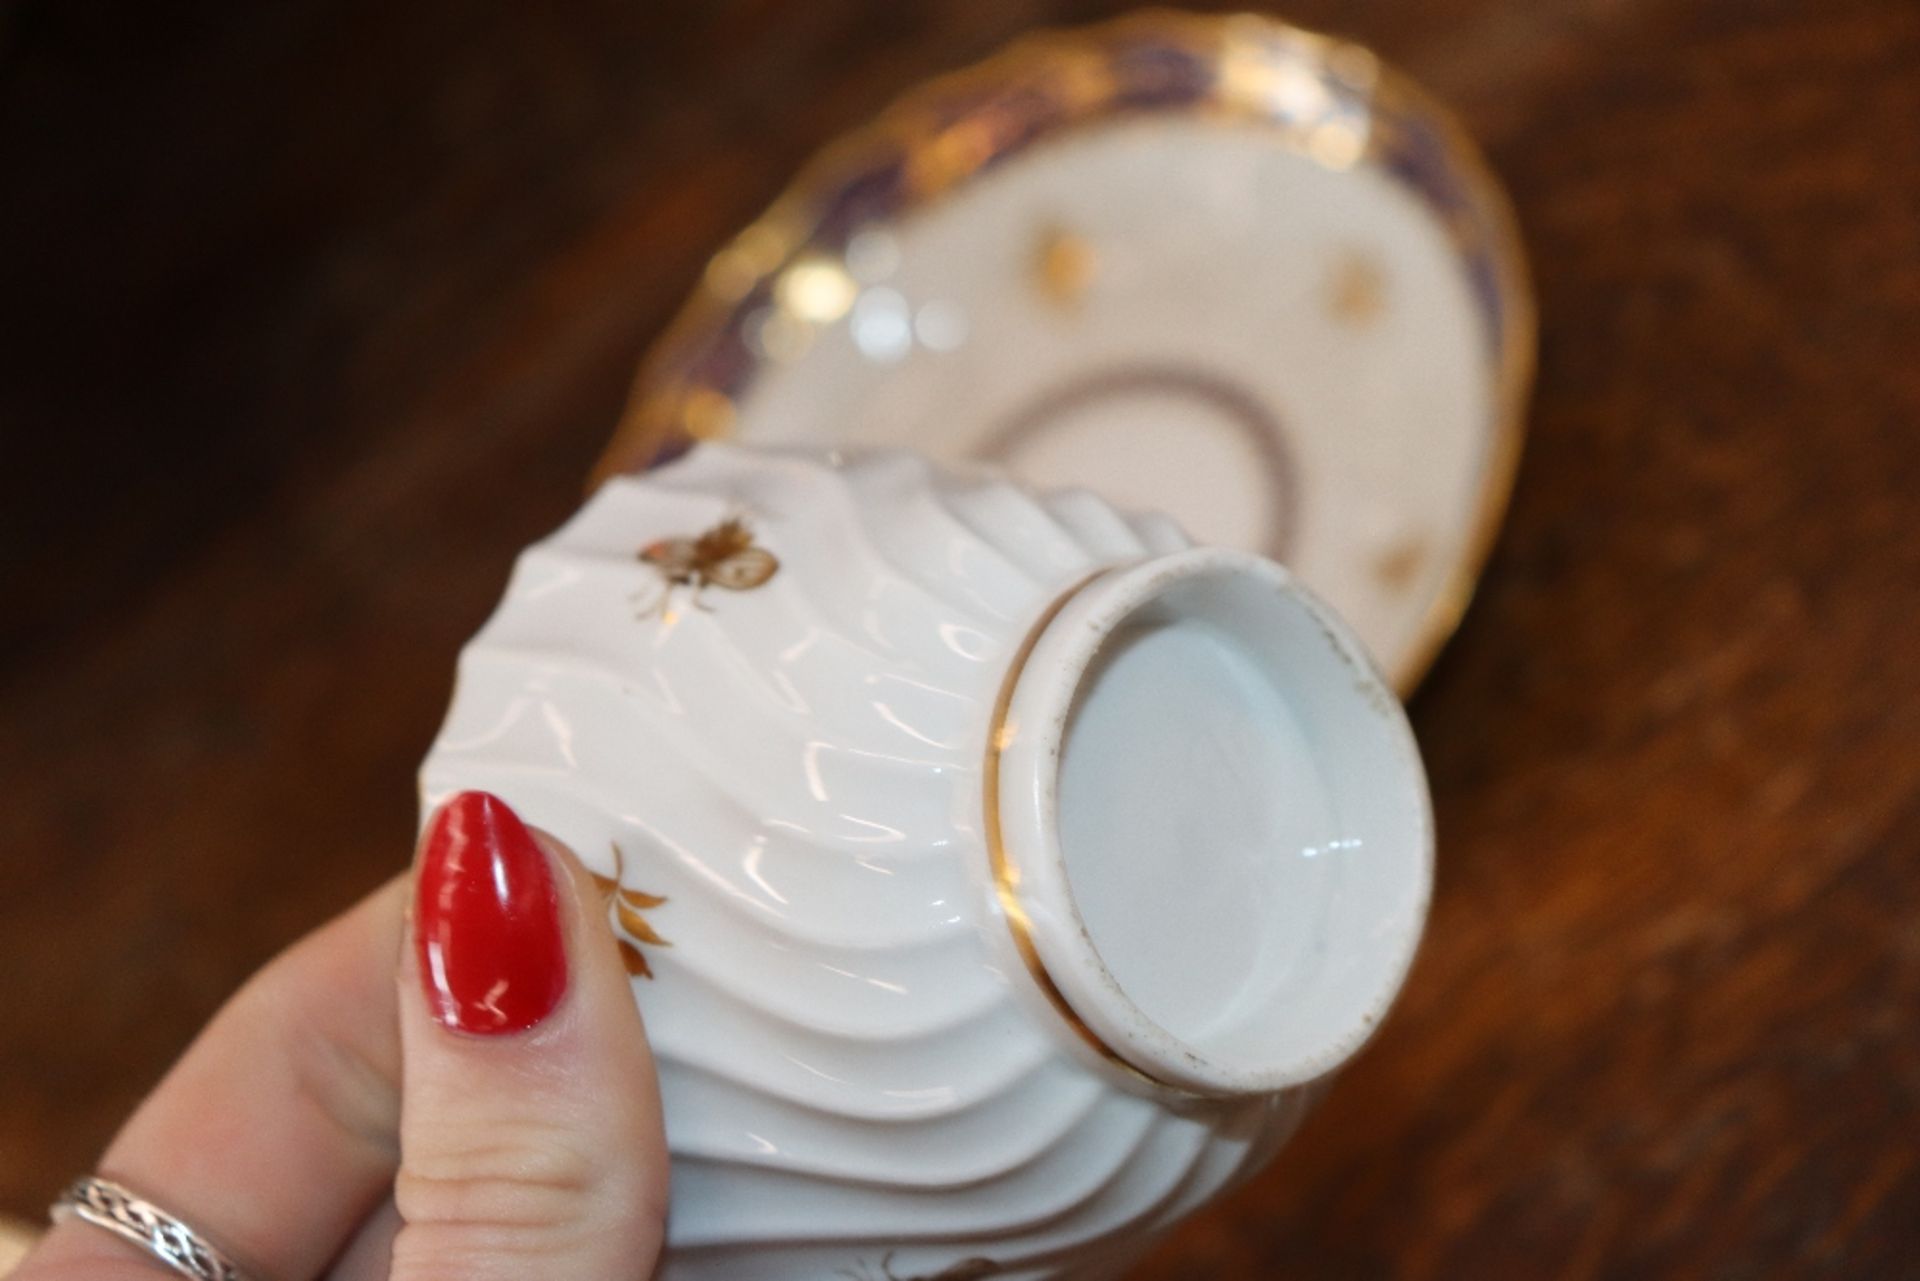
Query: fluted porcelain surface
[860, 1079]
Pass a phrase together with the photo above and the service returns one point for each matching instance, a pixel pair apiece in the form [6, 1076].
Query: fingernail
[486, 920]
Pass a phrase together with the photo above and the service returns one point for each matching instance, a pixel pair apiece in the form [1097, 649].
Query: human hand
[463, 1090]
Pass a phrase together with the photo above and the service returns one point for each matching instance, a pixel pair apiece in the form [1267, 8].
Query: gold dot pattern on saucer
[1357, 291]
[1398, 567]
[1064, 265]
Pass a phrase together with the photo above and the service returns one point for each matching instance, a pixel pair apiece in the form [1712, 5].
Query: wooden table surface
[313, 313]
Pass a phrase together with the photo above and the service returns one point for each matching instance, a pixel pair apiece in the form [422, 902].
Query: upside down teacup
[1000, 874]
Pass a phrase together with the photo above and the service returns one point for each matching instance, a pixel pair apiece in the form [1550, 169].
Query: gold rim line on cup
[952, 127]
[1006, 877]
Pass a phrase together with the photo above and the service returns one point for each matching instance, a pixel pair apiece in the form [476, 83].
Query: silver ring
[106, 1204]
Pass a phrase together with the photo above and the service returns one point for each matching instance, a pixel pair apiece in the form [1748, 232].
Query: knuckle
[329, 1067]
[355, 1096]
[530, 1181]
[444, 1252]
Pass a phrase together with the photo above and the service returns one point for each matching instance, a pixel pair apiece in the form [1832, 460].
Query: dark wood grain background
[312, 313]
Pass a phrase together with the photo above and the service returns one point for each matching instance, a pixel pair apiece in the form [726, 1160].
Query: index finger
[276, 1133]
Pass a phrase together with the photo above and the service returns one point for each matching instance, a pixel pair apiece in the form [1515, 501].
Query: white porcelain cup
[1004, 875]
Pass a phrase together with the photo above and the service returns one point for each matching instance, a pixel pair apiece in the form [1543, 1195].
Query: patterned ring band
[106, 1204]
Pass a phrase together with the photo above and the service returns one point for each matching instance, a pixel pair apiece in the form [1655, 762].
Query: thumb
[530, 1136]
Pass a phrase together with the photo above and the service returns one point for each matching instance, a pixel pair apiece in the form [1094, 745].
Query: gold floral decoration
[627, 907]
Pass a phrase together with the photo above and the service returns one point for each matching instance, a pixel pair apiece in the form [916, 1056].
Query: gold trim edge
[1005, 876]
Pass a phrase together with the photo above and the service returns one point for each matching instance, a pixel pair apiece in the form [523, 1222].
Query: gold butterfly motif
[724, 556]
[627, 905]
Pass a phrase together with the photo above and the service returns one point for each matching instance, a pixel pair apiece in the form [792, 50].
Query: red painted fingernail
[486, 920]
